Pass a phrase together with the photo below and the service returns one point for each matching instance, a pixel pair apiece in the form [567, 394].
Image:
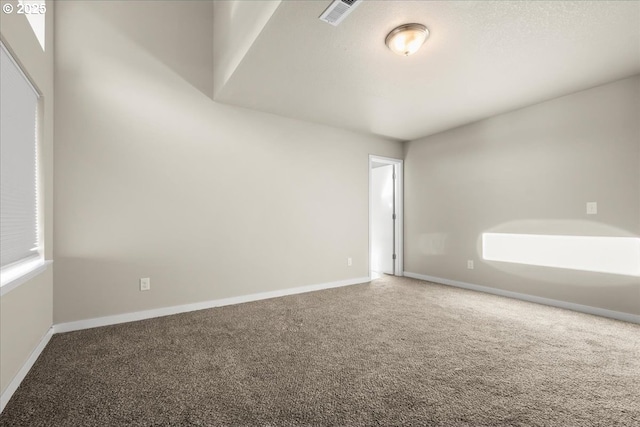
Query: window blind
[18, 164]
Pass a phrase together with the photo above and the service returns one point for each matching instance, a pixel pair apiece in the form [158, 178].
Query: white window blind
[19, 169]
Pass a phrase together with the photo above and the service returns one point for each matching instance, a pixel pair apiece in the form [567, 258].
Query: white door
[382, 207]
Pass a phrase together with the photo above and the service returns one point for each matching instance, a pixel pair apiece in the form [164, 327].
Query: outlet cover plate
[145, 284]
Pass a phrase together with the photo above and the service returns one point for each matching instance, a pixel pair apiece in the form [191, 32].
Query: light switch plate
[592, 208]
[145, 284]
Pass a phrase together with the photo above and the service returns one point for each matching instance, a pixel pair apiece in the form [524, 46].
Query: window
[20, 251]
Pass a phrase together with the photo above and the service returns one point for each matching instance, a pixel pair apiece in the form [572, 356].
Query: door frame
[399, 207]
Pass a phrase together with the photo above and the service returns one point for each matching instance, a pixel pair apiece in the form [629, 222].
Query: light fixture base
[406, 39]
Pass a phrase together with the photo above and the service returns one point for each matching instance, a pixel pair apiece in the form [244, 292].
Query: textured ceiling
[482, 58]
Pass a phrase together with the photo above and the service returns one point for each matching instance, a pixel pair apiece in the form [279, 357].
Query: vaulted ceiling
[482, 58]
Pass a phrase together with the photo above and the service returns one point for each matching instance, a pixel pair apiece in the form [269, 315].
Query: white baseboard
[166, 311]
[22, 373]
[618, 315]
[148, 314]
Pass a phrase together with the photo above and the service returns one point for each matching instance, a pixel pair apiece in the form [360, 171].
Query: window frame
[21, 271]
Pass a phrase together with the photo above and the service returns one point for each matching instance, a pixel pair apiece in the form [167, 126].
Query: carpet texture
[393, 352]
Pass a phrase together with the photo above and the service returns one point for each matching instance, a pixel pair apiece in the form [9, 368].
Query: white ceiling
[482, 58]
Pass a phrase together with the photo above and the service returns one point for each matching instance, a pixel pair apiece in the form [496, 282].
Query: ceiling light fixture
[406, 39]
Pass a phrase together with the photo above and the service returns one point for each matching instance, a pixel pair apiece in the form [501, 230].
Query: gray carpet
[394, 352]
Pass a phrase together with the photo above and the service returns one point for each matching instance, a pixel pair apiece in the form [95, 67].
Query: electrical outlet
[592, 208]
[349, 262]
[145, 284]
[470, 264]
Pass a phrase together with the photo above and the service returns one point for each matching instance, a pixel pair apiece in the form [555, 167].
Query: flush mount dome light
[406, 39]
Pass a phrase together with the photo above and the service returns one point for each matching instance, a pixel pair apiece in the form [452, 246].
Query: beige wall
[26, 312]
[529, 171]
[25, 317]
[236, 26]
[153, 179]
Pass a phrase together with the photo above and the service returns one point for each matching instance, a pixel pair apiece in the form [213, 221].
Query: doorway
[385, 216]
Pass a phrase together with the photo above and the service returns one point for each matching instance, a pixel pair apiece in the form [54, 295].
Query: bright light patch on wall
[35, 11]
[615, 255]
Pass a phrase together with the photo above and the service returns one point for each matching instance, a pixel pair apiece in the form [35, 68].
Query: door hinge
[394, 256]
[394, 216]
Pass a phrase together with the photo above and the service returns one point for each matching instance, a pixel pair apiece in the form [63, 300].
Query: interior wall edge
[596, 311]
[24, 370]
[168, 311]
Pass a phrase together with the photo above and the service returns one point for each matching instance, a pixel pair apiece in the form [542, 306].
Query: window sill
[29, 273]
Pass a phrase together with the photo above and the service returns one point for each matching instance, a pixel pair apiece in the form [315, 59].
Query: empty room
[320, 213]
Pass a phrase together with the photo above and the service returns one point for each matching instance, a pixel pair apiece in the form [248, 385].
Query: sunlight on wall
[35, 11]
[615, 255]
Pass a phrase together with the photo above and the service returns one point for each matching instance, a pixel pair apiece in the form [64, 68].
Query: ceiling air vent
[338, 10]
